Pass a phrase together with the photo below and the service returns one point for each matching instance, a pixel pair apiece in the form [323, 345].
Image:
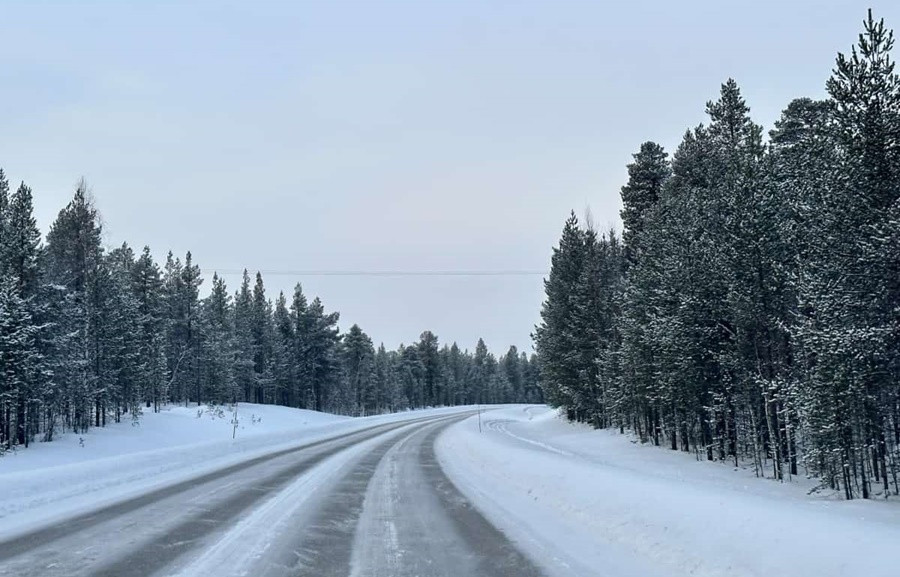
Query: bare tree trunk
[21, 432]
[774, 441]
[757, 465]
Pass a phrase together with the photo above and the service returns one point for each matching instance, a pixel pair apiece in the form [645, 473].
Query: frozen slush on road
[312, 495]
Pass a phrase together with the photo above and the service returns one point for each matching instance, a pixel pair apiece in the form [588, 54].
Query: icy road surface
[372, 502]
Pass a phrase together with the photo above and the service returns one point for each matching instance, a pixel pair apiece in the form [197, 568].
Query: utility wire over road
[384, 273]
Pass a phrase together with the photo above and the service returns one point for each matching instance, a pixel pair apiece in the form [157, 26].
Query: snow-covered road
[370, 502]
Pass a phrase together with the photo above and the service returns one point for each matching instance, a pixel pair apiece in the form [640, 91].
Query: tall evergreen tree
[358, 356]
[74, 256]
[245, 352]
[410, 373]
[849, 287]
[216, 326]
[20, 366]
[261, 332]
[283, 368]
[147, 286]
[19, 265]
[554, 338]
[428, 355]
[302, 328]
[646, 177]
[321, 352]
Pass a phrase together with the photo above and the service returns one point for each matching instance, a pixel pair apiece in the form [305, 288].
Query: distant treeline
[751, 309]
[89, 335]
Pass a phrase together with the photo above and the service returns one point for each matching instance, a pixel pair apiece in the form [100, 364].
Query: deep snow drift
[585, 502]
[76, 473]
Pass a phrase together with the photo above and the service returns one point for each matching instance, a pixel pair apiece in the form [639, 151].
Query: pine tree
[21, 241]
[283, 368]
[533, 389]
[321, 352]
[848, 289]
[302, 328]
[244, 350]
[4, 214]
[358, 356]
[410, 372]
[261, 332]
[190, 285]
[20, 366]
[74, 255]
[555, 339]
[19, 257]
[124, 367]
[429, 356]
[390, 392]
[646, 177]
[177, 346]
[454, 361]
[477, 381]
[216, 322]
[147, 287]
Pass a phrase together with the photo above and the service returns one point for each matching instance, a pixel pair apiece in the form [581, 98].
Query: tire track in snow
[251, 546]
[502, 426]
[415, 522]
[143, 542]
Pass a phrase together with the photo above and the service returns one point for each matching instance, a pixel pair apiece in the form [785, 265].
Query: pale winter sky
[382, 135]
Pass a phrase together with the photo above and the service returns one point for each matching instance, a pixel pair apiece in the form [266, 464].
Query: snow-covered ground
[79, 472]
[585, 502]
[579, 502]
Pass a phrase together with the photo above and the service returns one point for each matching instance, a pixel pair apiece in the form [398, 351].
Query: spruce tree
[244, 346]
[849, 288]
[358, 359]
[217, 353]
[321, 352]
[302, 329]
[429, 356]
[20, 366]
[261, 332]
[646, 177]
[19, 264]
[283, 369]
[74, 254]
[555, 339]
[147, 285]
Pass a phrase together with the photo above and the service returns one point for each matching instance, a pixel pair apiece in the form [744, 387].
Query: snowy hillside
[588, 502]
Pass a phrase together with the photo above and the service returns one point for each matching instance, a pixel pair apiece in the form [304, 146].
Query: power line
[381, 273]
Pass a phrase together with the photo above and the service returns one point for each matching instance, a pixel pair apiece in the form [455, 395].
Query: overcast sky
[382, 135]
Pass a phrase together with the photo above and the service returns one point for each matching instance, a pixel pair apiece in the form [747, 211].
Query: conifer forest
[749, 312]
[90, 336]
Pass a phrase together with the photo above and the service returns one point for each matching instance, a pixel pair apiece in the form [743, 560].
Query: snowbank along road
[373, 502]
[592, 503]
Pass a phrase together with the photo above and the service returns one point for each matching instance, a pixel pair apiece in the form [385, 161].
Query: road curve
[370, 503]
